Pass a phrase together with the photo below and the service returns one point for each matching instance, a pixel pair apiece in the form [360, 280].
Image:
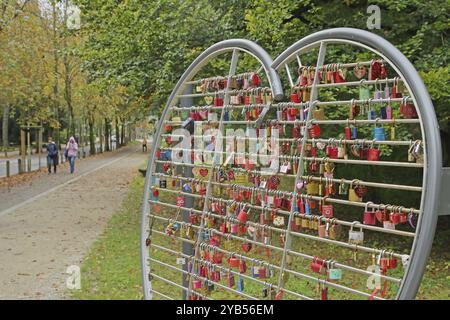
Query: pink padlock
[234, 228]
[197, 284]
[242, 216]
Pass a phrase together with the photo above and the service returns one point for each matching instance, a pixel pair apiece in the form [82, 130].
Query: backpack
[52, 149]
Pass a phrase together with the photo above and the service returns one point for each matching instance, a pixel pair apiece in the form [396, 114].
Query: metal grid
[228, 230]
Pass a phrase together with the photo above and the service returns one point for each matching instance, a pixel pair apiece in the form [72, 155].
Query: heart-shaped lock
[246, 246]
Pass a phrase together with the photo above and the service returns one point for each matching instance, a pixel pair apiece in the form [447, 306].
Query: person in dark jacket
[52, 155]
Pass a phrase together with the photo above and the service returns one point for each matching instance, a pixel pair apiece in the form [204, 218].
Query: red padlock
[247, 246]
[369, 216]
[256, 80]
[180, 201]
[332, 152]
[327, 210]
[314, 131]
[242, 266]
[168, 128]
[373, 154]
[318, 265]
[262, 273]
[217, 257]
[218, 101]
[348, 133]
[295, 97]
[233, 262]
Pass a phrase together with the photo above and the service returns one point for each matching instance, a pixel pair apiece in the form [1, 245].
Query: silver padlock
[355, 237]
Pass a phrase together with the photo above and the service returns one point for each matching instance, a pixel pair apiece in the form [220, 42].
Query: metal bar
[324, 159]
[302, 122]
[187, 248]
[351, 83]
[289, 75]
[218, 146]
[343, 141]
[313, 96]
[294, 104]
[234, 91]
[162, 295]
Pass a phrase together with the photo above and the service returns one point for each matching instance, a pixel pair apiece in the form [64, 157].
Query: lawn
[112, 268]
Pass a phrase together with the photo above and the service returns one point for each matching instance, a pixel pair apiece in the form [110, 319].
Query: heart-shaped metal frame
[432, 169]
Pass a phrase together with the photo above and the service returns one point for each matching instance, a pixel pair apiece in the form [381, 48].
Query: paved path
[50, 223]
[35, 162]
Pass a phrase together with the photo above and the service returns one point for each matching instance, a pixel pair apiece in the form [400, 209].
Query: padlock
[379, 133]
[262, 272]
[352, 195]
[314, 131]
[233, 262]
[355, 237]
[327, 211]
[369, 216]
[242, 216]
[197, 284]
[230, 280]
[373, 154]
[240, 284]
[234, 228]
[334, 274]
[319, 113]
[242, 266]
[318, 265]
[322, 230]
[312, 188]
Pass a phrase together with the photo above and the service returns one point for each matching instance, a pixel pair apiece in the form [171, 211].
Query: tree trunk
[106, 135]
[122, 135]
[5, 129]
[100, 134]
[117, 134]
[92, 150]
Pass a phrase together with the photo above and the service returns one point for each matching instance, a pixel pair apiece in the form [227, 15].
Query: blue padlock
[240, 284]
[307, 210]
[226, 116]
[379, 134]
[353, 131]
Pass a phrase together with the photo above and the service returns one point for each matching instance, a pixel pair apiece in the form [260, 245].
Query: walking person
[144, 145]
[52, 155]
[71, 153]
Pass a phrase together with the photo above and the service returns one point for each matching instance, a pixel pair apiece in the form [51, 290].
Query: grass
[112, 267]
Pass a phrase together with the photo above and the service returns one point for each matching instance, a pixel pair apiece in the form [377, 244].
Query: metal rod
[351, 83]
[294, 104]
[302, 122]
[326, 159]
[234, 91]
[343, 141]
